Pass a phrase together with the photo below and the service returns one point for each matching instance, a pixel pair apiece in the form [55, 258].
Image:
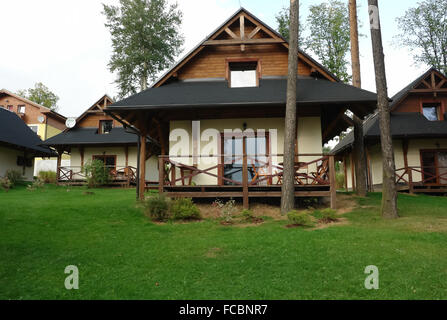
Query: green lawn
[121, 255]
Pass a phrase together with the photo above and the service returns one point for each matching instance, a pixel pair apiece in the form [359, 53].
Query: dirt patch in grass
[324, 225]
[345, 203]
[213, 252]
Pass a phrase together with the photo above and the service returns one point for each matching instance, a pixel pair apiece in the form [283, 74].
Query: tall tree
[424, 32]
[329, 38]
[288, 187]
[42, 95]
[389, 192]
[359, 148]
[146, 39]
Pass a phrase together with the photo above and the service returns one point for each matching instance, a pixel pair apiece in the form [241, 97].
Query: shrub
[5, 183]
[300, 218]
[329, 215]
[247, 214]
[227, 209]
[14, 176]
[157, 208]
[184, 209]
[47, 176]
[340, 180]
[37, 184]
[97, 174]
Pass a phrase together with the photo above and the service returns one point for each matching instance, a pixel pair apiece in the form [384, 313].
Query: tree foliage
[424, 32]
[329, 36]
[42, 95]
[145, 39]
[283, 20]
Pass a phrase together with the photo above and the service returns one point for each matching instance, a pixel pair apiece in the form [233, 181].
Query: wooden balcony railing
[422, 177]
[76, 174]
[248, 172]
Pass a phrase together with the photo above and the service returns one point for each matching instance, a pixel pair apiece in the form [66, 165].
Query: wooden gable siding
[211, 62]
[414, 102]
[32, 112]
[92, 121]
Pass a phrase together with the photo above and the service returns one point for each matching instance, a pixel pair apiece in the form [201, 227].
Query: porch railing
[427, 176]
[246, 171]
[117, 174]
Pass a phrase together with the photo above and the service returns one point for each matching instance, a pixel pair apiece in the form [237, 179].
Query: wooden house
[419, 131]
[97, 135]
[19, 145]
[45, 122]
[218, 115]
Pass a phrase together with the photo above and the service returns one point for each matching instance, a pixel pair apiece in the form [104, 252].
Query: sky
[65, 45]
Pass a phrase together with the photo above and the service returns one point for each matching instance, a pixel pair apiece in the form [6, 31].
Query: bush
[227, 209]
[247, 214]
[47, 176]
[157, 208]
[329, 215]
[37, 184]
[14, 176]
[5, 183]
[300, 218]
[97, 174]
[184, 209]
[340, 180]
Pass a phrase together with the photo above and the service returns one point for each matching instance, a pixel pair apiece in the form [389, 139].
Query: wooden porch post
[142, 177]
[407, 169]
[245, 175]
[352, 174]
[332, 181]
[81, 151]
[161, 174]
[59, 158]
[126, 152]
[368, 167]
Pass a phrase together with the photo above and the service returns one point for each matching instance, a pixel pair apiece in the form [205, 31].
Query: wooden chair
[259, 173]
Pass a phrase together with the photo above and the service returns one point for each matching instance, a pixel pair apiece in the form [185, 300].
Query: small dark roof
[271, 91]
[14, 132]
[90, 136]
[403, 125]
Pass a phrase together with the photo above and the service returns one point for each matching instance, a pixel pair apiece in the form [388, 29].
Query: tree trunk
[143, 79]
[389, 192]
[358, 148]
[288, 188]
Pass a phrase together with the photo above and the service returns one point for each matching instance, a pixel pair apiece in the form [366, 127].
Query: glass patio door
[234, 147]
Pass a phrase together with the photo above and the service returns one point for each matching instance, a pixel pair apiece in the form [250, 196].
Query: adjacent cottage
[19, 145]
[44, 122]
[419, 130]
[96, 135]
[218, 115]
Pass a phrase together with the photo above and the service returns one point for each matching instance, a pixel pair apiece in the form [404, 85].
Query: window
[243, 74]
[105, 126]
[434, 166]
[21, 109]
[34, 128]
[432, 111]
[108, 160]
[11, 108]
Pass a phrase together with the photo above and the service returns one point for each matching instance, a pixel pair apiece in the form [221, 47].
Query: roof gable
[95, 109]
[242, 29]
[431, 81]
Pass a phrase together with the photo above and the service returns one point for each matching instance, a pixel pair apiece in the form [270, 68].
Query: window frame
[436, 166]
[100, 131]
[21, 106]
[440, 108]
[103, 156]
[242, 60]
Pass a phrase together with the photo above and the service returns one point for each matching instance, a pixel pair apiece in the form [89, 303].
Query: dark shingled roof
[15, 133]
[271, 91]
[408, 125]
[90, 136]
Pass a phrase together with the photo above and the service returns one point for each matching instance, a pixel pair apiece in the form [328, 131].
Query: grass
[122, 255]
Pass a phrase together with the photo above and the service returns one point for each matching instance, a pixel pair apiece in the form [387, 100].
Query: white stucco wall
[8, 160]
[309, 141]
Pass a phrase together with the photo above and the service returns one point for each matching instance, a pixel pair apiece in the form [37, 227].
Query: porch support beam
[408, 170]
[142, 177]
[332, 181]
[245, 176]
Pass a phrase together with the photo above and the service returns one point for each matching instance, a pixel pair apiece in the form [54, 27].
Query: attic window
[243, 74]
[432, 111]
[21, 109]
[105, 126]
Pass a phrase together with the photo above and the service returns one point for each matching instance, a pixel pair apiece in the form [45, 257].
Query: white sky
[65, 45]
